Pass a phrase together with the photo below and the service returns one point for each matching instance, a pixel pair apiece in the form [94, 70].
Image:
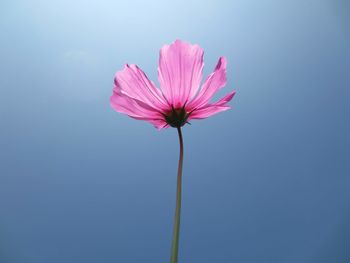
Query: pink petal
[225, 99]
[180, 71]
[211, 109]
[135, 108]
[134, 83]
[212, 84]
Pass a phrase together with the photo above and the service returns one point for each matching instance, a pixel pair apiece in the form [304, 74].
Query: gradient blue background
[268, 181]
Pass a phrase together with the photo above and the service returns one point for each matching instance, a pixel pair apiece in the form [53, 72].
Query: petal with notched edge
[211, 109]
[135, 108]
[134, 82]
[212, 84]
[180, 71]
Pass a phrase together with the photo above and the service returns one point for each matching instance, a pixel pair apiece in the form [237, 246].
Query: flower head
[180, 97]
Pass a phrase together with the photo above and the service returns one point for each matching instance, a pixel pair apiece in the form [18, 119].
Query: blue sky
[267, 181]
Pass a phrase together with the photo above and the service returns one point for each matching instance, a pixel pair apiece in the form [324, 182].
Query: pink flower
[180, 98]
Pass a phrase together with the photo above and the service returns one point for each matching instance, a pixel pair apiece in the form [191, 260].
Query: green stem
[176, 231]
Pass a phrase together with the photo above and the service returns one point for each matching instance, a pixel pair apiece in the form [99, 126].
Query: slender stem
[176, 231]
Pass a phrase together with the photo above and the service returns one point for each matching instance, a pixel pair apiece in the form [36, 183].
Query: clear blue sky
[266, 182]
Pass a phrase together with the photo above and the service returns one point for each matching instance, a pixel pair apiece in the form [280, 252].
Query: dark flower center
[176, 117]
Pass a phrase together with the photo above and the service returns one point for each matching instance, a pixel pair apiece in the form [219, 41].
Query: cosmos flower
[180, 97]
[179, 100]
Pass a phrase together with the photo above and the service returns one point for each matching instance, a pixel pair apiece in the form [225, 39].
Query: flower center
[176, 117]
